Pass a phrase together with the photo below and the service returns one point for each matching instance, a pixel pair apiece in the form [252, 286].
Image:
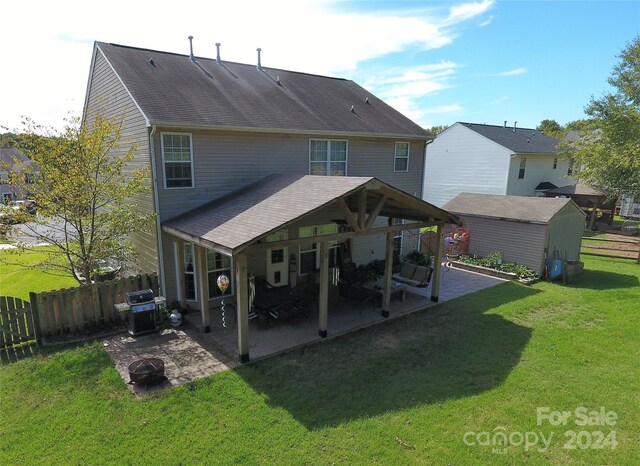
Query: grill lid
[142, 296]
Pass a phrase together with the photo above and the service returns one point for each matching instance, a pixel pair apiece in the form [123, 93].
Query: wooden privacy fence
[16, 322]
[74, 310]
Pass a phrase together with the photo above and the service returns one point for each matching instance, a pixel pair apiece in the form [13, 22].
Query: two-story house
[261, 171]
[489, 159]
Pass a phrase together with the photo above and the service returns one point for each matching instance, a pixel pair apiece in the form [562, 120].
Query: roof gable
[172, 90]
[516, 208]
[518, 140]
[238, 219]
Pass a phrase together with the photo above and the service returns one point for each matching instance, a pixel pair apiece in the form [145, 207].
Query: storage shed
[522, 228]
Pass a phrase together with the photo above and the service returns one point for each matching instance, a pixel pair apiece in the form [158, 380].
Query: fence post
[33, 299]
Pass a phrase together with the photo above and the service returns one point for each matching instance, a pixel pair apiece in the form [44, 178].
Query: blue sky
[437, 62]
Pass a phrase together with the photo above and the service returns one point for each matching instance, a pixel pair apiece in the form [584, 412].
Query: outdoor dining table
[283, 301]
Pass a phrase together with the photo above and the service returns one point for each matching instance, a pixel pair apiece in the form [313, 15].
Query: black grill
[142, 317]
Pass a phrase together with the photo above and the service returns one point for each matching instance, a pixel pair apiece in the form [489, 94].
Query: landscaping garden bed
[495, 266]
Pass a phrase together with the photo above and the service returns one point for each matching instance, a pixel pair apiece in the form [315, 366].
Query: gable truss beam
[348, 215]
[375, 212]
[362, 208]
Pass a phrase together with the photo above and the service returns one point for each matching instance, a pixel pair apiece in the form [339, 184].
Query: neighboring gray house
[214, 132]
[522, 228]
[11, 161]
[471, 157]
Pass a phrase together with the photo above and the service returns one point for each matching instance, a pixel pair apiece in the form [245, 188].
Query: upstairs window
[555, 163]
[401, 157]
[570, 169]
[327, 157]
[523, 165]
[177, 158]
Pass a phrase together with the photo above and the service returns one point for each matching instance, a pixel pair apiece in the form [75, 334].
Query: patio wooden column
[182, 288]
[323, 297]
[388, 270]
[203, 287]
[437, 266]
[242, 293]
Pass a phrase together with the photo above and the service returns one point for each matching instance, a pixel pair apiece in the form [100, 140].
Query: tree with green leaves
[550, 128]
[83, 186]
[607, 153]
[437, 129]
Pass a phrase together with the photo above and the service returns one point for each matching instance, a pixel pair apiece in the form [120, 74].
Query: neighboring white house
[490, 159]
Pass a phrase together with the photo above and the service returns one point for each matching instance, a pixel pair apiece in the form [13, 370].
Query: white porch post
[242, 293]
[203, 287]
[388, 270]
[182, 290]
[323, 298]
[437, 266]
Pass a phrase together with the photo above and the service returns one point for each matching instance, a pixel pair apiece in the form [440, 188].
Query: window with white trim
[218, 264]
[570, 168]
[401, 157]
[555, 163]
[310, 252]
[190, 272]
[177, 159]
[328, 157]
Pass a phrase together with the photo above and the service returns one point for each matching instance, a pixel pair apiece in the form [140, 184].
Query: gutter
[156, 202]
[311, 132]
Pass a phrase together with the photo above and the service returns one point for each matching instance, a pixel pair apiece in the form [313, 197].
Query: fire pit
[146, 371]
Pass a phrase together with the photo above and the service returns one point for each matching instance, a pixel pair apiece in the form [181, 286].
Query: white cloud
[51, 61]
[514, 72]
[467, 11]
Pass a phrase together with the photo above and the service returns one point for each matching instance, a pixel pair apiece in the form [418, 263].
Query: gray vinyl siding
[226, 161]
[105, 91]
[522, 243]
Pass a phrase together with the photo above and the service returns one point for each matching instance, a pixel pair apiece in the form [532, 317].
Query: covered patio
[269, 339]
[242, 224]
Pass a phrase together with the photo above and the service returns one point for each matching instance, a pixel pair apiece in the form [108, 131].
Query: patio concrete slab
[189, 354]
[186, 356]
[271, 338]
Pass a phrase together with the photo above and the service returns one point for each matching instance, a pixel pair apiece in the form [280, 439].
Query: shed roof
[170, 89]
[579, 190]
[519, 141]
[240, 218]
[515, 208]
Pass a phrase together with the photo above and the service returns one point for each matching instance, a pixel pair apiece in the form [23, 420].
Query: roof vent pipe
[191, 56]
[259, 62]
[505, 124]
[218, 60]
[515, 123]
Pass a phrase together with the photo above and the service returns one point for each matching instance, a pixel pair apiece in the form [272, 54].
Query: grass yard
[18, 281]
[430, 388]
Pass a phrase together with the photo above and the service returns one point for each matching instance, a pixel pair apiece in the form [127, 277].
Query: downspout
[422, 185]
[156, 201]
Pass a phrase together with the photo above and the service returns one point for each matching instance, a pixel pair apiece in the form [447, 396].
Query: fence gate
[17, 329]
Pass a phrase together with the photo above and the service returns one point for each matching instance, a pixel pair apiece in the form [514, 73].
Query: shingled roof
[519, 141]
[232, 222]
[514, 208]
[172, 90]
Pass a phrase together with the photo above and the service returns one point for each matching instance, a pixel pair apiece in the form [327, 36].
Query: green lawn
[409, 391]
[18, 281]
